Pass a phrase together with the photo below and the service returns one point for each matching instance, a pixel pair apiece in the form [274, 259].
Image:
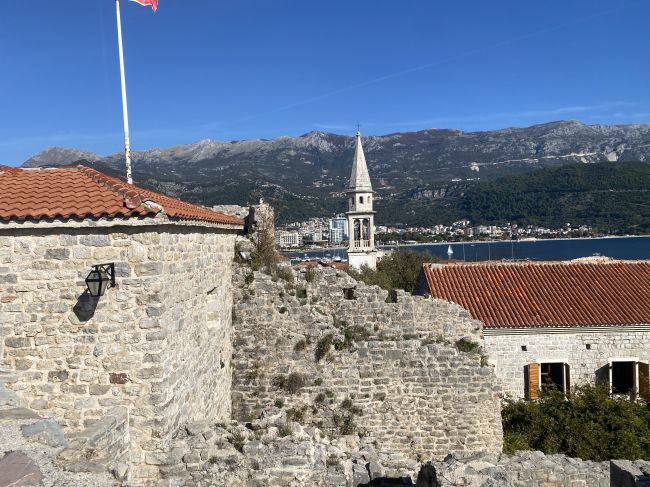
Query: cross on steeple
[358, 128]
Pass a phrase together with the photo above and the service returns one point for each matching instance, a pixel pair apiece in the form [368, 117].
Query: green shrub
[291, 383]
[332, 460]
[250, 277]
[588, 424]
[284, 273]
[279, 381]
[323, 346]
[285, 430]
[297, 414]
[295, 382]
[320, 398]
[238, 440]
[300, 345]
[344, 423]
[399, 270]
[279, 403]
[468, 346]
[318, 382]
[310, 275]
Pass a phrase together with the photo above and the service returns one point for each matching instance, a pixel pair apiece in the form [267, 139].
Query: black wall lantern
[100, 279]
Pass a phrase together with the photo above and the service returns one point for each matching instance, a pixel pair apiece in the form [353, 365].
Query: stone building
[556, 323]
[157, 343]
[361, 217]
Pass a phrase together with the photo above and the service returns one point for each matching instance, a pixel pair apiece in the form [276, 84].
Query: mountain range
[306, 176]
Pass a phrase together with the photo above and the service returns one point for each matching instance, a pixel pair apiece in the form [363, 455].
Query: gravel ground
[11, 439]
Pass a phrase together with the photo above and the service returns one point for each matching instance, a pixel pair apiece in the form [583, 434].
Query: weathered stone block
[118, 377]
[57, 254]
[95, 240]
[18, 342]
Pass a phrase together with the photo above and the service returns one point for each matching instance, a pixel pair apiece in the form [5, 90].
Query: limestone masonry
[333, 352]
[158, 344]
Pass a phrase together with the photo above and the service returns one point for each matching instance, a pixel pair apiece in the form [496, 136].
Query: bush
[310, 275]
[291, 383]
[323, 346]
[588, 424]
[400, 270]
[468, 346]
[295, 382]
[297, 414]
[332, 460]
[300, 345]
[285, 430]
[238, 440]
[283, 272]
[344, 423]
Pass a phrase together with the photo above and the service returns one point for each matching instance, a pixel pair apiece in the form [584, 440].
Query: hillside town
[333, 232]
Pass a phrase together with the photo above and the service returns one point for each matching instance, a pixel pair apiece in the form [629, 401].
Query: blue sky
[241, 69]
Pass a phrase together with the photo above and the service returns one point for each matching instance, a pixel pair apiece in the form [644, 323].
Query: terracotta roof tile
[541, 294]
[82, 192]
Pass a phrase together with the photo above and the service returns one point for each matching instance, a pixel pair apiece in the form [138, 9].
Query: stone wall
[333, 353]
[524, 469]
[159, 343]
[275, 451]
[101, 447]
[587, 352]
[625, 473]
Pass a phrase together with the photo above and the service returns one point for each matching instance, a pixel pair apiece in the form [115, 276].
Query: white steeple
[359, 180]
[361, 217]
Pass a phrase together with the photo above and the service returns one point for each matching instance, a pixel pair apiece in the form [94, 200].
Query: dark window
[623, 377]
[361, 199]
[524, 348]
[552, 376]
[348, 293]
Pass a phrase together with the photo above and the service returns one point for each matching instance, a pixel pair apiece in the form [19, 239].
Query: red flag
[153, 3]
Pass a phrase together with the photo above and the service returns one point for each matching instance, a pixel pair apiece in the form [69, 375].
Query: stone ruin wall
[409, 391]
[159, 343]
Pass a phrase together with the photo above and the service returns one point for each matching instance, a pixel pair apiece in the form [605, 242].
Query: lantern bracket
[109, 269]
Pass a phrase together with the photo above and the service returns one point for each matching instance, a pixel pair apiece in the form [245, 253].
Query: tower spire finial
[358, 128]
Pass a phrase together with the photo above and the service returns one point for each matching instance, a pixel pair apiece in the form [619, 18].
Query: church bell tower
[361, 217]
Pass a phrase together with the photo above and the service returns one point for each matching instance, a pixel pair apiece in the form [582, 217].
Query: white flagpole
[125, 109]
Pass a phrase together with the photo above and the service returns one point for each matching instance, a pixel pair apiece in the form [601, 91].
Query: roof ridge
[132, 198]
[538, 263]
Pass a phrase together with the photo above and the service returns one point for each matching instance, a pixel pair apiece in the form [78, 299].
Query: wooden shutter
[532, 381]
[644, 381]
[567, 379]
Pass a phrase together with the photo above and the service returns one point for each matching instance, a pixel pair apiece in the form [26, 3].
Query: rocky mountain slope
[306, 175]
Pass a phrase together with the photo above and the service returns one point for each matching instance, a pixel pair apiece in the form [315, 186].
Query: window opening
[552, 376]
[348, 293]
[361, 199]
[623, 377]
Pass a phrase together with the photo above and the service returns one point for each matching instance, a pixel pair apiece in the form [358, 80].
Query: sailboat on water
[450, 252]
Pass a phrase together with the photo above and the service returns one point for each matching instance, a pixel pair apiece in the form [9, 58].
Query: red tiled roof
[560, 294]
[82, 192]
